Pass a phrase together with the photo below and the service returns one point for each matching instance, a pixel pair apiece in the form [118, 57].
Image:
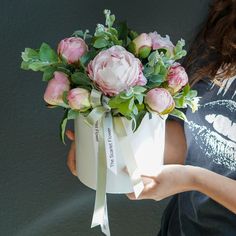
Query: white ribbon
[100, 215]
[110, 143]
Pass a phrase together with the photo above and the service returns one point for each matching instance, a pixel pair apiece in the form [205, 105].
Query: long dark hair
[213, 51]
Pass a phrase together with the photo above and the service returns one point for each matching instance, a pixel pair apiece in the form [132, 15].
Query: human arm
[175, 143]
[71, 161]
[174, 179]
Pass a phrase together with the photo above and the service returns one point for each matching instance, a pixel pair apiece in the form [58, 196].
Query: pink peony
[72, 49]
[55, 89]
[177, 77]
[161, 42]
[160, 101]
[142, 45]
[115, 70]
[78, 99]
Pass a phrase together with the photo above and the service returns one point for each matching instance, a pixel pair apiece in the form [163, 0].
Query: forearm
[175, 143]
[220, 188]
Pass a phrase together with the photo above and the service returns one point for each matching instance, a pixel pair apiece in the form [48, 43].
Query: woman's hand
[170, 180]
[174, 179]
[71, 160]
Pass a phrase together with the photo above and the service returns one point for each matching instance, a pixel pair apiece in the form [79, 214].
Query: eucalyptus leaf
[179, 114]
[192, 93]
[29, 54]
[135, 110]
[157, 78]
[109, 18]
[131, 104]
[139, 89]
[72, 114]
[139, 98]
[63, 126]
[100, 43]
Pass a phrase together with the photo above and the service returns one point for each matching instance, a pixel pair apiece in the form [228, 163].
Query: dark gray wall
[38, 195]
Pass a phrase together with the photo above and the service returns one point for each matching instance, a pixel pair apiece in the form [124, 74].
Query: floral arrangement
[135, 73]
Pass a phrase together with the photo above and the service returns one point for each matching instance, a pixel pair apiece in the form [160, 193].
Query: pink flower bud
[72, 49]
[161, 42]
[177, 77]
[160, 101]
[78, 99]
[55, 89]
[142, 45]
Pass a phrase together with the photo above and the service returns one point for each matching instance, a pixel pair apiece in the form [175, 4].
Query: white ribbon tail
[100, 216]
[130, 162]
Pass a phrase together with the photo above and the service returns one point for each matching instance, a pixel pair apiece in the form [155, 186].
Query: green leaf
[29, 54]
[192, 93]
[115, 101]
[131, 104]
[37, 66]
[135, 110]
[179, 52]
[64, 97]
[109, 18]
[72, 114]
[124, 109]
[39, 60]
[139, 89]
[79, 33]
[186, 90]
[148, 70]
[24, 65]
[48, 73]
[157, 69]
[47, 54]
[122, 29]
[139, 98]
[63, 126]
[100, 43]
[87, 57]
[81, 80]
[157, 78]
[139, 117]
[179, 114]
[179, 102]
[133, 34]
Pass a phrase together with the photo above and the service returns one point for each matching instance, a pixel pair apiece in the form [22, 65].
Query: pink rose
[142, 45]
[55, 89]
[115, 70]
[161, 42]
[160, 101]
[78, 99]
[177, 77]
[72, 49]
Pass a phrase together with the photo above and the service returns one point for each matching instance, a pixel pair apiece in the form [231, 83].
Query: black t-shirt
[211, 142]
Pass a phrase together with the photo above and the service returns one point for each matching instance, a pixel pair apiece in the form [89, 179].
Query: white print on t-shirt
[217, 138]
[225, 86]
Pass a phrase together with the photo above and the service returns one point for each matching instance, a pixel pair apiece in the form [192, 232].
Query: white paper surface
[147, 144]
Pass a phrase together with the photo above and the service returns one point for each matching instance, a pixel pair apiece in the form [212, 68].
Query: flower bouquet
[119, 87]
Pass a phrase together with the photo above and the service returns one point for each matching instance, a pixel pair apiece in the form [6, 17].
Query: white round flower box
[146, 143]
